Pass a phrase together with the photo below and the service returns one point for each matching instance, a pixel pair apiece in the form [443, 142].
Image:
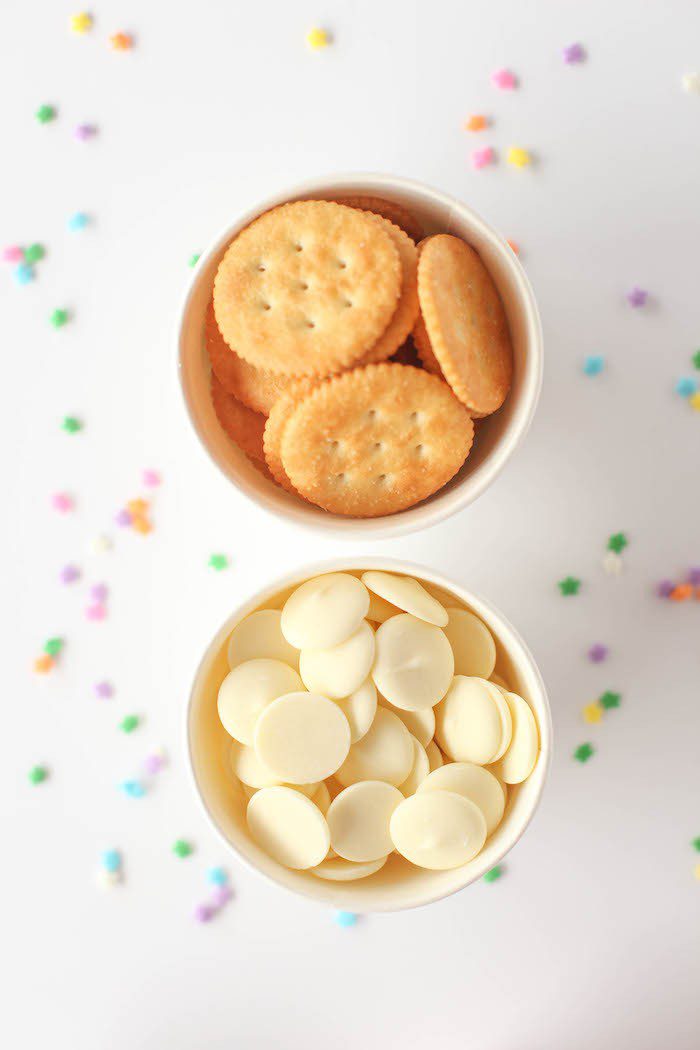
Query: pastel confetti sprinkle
[99, 592]
[78, 221]
[23, 273]
[637, 296]
[45, 114]
[696, 872]
[111, 860]
[107, 880]
[53, 646]
[204, 912]
[182, 848]
[38, 774]
[151, 478]
[691, 83]
[34, 253]
[123, 518]
[84, 132]
[193, 260]
[71, 424]
[686, 386]
[12, 254]
[696, 359]
[696, 844]
[504, 80]
[219, 877]
[569, 585]
[62, 502]
[518, 157]
[100, 544]
[121, 41]
[222, 895]
[81, 23]
[617, 542]
[345, 919]
[43, 664]
[592, 713]
[573, 53]
[664, 588]
[694, 576]
[317, 38]
[594, 364]
[69, 574]
[609, 700]
[694, 401]
[481, 157]
[612, 563]
[583, 752]
[494, 874]
[58, 318]
[129, 723]
[218, 562]
[681, 593]
[597, 653]
[96, 612]
[476, 122]
[132, 788]
[103, 690]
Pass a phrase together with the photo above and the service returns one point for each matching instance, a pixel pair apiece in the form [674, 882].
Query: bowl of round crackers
[360, 354]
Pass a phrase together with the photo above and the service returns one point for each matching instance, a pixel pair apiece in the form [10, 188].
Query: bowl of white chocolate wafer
[369, 734]
[360, 354]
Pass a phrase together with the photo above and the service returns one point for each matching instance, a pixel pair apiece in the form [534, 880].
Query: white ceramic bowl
[497, 437]
[397, 885]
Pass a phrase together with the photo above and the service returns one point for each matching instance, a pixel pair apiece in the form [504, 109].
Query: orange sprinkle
[514, 246]
[121, 42]
[476, 122]
[43, 663]
[137, 507]
[681, 593]
[141, 524]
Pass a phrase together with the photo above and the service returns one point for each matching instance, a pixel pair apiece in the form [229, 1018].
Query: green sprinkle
[617, 542]
[129, 724]
[53, 646]
[218, 562]
[45, 113]
[182, 848]
[194, 259]
[696, 843]
[34, 253]
[609, 700]
[37, 774]
[494, 874]
[58, 318]
[583, 752]
[696, 359]
[569, 585]
[71, 425]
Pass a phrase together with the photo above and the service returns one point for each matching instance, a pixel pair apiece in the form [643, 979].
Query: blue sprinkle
[78, 221]
[345, 919]
[594, 365]
[686, 386]
[217, 877]
[133, 788]
[24, 273]
[111, 860]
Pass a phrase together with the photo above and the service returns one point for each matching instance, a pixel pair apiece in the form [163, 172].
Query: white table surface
[591, 937]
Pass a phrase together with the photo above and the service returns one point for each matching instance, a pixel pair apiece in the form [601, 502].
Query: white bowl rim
[429, 513]
[363, 562]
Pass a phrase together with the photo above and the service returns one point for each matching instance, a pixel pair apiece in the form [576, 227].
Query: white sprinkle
[691, 83]
[612, 563]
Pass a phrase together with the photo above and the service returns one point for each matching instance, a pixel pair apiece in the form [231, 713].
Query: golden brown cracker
[465, 323]
[242, 425]
[280, 415]
[376, 440]
[424, 349]
[392, 211]
[257, 389]
[307, 288]
[407, 307]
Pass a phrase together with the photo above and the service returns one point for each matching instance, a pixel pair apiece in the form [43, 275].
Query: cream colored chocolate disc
[384, 753]
[469, 727]
[360, 708]
[438, 829]
[419, 769]
[472, 644]
[413, 664]
[407, 594]
[339, 671]
[379, 610]
[359, 817]
[434, 755]
[339, 870]
[246, 765]
[324, 611]
[421, 724]
[302, 737]
[520, 758]
[289, 827]
[260, 635]
[247, 690]
[476, 784]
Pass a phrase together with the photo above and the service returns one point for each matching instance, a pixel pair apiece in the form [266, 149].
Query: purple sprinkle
[664, 588]
[222, 895]
[597, 653]
[104, 690]
[99, 592]
[123, 517]
[573, 53]
[83, 132]
[70, 573]
[153, 764]
[694, 576]
[204, 912]
[637, 296]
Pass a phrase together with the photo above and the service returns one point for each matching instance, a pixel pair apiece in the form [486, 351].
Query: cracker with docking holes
[390, 210]
[396, 332]
[376, 440]
[307, 288]
[280, 415]
[465, 322]
[257, 389]
[242, 425]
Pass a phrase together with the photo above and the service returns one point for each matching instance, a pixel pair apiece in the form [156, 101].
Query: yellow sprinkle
[694, 400]
[518, 156]
[317, 38]
[81, 23]
[593, 712]
[696, 872]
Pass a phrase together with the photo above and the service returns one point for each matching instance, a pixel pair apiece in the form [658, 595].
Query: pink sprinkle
[96, 612]
[151, 478]
[69, 574]
[481, 157]
[573, 53]
[123, 518]
[204, 912]
[597, 653]
[637, 296]
[664, 588]
[62, 502]
[12, 254]
[99, 592]
[104, 690]
[84, 132]
[504, 80]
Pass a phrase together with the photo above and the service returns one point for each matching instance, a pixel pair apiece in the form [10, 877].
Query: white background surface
[591, 938]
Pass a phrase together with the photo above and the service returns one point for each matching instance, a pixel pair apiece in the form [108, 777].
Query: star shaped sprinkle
[121, 42]
[504, 80]
[58, 318]
[45, 114]
[69, 574]
[686, 386]
[592, 713]
[78, 221]
[573, 53]
[612, 563]
[53, 646]
[696, 844]
[481, 157]
[34, 253]
[694, 401]
[81, 23]
[518, 157]
[597, 653]
[569, 585]
[129, 724]
[476, 122]
[691, 83]
[193, 259]
[594, 364]
[637, 296]
[494, 874]
[71, 424]
[696, 359]
[608, 700]
[345, 919]
[132, 788]
[104, 690]
[38, 774]
[43, 664]
[182, 848]
[583, 752]
[24, 273]
[617, 542]
[218, 562]
[317, 38]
